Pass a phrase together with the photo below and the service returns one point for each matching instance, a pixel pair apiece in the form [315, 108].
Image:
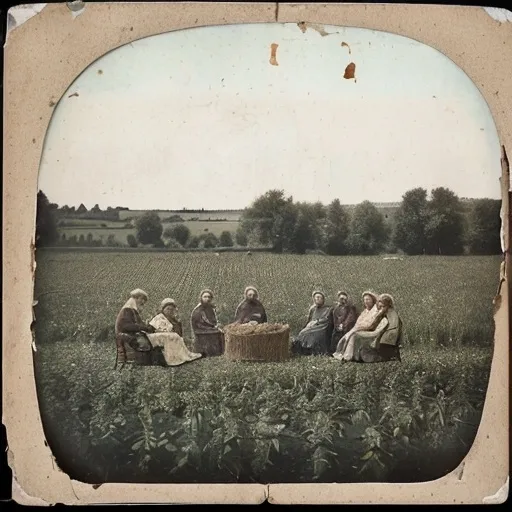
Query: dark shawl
[248, 311]
[315, 339]
[209, 339]
[346, 315]
[130, 328]
[128, 321]
[204, 319]
[176, 325]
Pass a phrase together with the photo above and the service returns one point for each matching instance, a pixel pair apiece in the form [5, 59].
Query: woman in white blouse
[168, 326]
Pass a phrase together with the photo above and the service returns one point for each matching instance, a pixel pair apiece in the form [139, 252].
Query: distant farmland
[199, 222]
[117, 229]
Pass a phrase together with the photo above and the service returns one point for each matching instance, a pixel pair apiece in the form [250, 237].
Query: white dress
[174, 351]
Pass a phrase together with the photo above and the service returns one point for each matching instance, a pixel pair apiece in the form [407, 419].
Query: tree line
[435, 223]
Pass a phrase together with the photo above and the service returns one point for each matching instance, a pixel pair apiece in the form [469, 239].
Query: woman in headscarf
[344, 316]
[383, 344]
[314, 338]
[250, 310]
[366, 321]
[131, 332]
[209, 338]
[169, 333]
[167, 320]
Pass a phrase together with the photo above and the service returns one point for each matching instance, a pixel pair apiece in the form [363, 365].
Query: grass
[304, 420]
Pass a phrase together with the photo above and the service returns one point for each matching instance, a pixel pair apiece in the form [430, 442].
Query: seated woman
[314, 338]
[129, 328]
[250, 310]
[209, 338]
[366, 321]
[169, 334]
[380, 342]
[384, 345]
[344, 316]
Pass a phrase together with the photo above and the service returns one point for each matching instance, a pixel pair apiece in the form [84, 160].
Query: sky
[199, 118]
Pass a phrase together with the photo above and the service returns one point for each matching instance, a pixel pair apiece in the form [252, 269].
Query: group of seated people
[372, 336]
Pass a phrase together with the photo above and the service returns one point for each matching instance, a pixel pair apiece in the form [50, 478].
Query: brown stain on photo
[350, 71]
[100, 72]
[346, 44]
[273, 54]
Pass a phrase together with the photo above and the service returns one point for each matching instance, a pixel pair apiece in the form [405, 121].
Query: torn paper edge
[20, 14]
[498, 14]
[500, 497]
[22, 498]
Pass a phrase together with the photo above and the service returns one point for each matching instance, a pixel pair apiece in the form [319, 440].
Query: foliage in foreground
[310, 419]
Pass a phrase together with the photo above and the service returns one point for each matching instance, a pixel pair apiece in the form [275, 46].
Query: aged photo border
[44, 55]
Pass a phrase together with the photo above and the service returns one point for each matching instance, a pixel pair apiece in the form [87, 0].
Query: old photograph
[266, 253]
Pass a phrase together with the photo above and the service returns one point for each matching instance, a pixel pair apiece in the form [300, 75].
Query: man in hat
[250, 310]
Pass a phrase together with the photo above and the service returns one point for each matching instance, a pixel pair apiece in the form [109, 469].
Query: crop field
[304, 420]
[441, 299]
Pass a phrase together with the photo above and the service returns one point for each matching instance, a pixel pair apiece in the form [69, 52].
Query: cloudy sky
[199, 118]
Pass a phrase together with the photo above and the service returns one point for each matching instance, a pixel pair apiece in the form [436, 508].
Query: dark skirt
[209, 344]
[384, 353]
[311, 342]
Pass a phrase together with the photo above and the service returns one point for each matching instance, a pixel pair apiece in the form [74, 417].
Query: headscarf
[206, 290]
[166, 302]
[387, 298]
[371, 294]
[318, 292]
[131, 303]
[248, 288]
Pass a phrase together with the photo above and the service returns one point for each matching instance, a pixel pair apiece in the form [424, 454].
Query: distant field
[120, 232]
[228, 215]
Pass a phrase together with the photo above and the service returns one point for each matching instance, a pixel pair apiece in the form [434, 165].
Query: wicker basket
[264, 342]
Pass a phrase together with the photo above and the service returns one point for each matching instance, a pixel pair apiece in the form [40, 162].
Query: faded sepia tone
[434, 23]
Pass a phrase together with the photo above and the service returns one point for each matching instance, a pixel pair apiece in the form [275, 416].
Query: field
[120, 232]
[309, 419]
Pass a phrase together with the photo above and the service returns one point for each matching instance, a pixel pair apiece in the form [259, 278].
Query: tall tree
[312, 218]
[272, 218]
[81, 209]
[368, 233]
[444, 230]
[46, 224]
[336, 229]
[410, 222]
[241, 237]
[303, 234]
[484, 227]
[149, 228]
